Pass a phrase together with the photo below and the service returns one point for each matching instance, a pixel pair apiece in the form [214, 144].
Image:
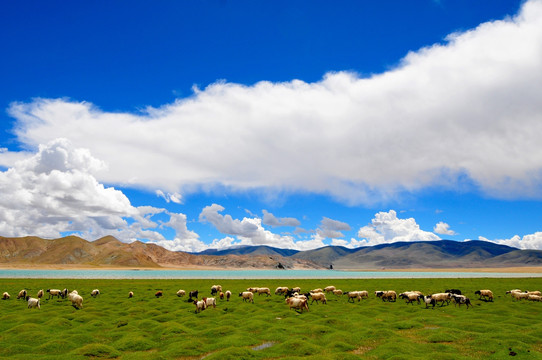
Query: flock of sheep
[294, 298]
[73, 296]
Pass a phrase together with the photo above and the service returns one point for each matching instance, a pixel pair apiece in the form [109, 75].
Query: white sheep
[216, 289]
[297, 303]
[281, 290]
[228, 295]
[210, 302]
[5, 296]
[337, 292]
[484, 294]
[40, 294]
[247, 296]
[131, 294]
[519, 295]
[296, 289]
[317, 290]
[442, 297]
[410, 297]
[22, 294]
[353, 295]
[538, 293]
[33, 302]
[330, 288]
[263, 291]
[389, 295]
[534, 298]
[181, 293]
[200, 305]
[53, 293]
[76, 299]
[95, 293]
[428, 300]
[318, 297]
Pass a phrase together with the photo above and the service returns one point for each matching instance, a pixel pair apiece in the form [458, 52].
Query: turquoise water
[245, 274]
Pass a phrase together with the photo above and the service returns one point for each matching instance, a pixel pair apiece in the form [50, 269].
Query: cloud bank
[462, 114]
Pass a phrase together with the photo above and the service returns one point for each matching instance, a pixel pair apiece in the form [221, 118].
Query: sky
[294, 124]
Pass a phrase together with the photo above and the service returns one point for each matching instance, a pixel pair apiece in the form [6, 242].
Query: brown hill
[108, 251]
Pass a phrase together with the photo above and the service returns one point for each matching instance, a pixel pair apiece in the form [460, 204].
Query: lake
[247, 274]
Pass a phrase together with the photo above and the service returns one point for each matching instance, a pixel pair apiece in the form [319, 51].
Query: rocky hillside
[108, 251]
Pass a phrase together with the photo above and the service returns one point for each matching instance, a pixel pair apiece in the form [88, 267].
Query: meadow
[144, 327]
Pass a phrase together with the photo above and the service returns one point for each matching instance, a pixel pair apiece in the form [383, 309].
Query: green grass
[144, 327]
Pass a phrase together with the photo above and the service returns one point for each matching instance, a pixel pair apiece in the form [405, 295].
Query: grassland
[145, 327]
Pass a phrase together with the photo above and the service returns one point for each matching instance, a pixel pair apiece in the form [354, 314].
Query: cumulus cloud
[271, 220]
[462, 113]
[330, 228]
[443, 229]
[531, 241]
[387, 228]
[55, 191]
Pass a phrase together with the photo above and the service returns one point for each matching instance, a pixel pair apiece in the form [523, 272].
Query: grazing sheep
[215, 289]
[281, 290]
[318, 297]
[317, 290]
[461, 299]
[252, 289]
[5, 296]
[221, 295]
[210, 302]
[534, 298]
[442, 297]
[353, 295]
[538, 293]
[247, 296]
[95, 293]
[33, 302]
[53, 293]
[519, 295]
[297, 303]
[64, 293]
[76, 299]
[410, 297]
[131, 294]
[296, 289]
[337, 292]
[200, 305]
[40, 294]
[428, 300]
[486, 294]
[158, 294]
[181, 293]
[228, 295]
[22, 294]
[263, 291]
[330, 288]
[389, 295]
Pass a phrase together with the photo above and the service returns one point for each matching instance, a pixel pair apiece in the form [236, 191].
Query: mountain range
[108, 251]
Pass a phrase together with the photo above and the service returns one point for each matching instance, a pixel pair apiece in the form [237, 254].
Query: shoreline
[518, 269]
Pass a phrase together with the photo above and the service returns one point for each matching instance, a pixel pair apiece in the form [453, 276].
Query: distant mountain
[109, 251]
[246, 250]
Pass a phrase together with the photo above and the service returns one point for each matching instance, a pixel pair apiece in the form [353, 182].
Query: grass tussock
[113, 326]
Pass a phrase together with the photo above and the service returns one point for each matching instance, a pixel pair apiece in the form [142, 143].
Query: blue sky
[292, 124]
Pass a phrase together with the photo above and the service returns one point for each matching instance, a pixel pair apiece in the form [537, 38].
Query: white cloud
[330, 228]
[467, 109]
[170, 197]
[443, 229]
[387, 228]
[271, 220]
[531, 241]
[54, 191]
